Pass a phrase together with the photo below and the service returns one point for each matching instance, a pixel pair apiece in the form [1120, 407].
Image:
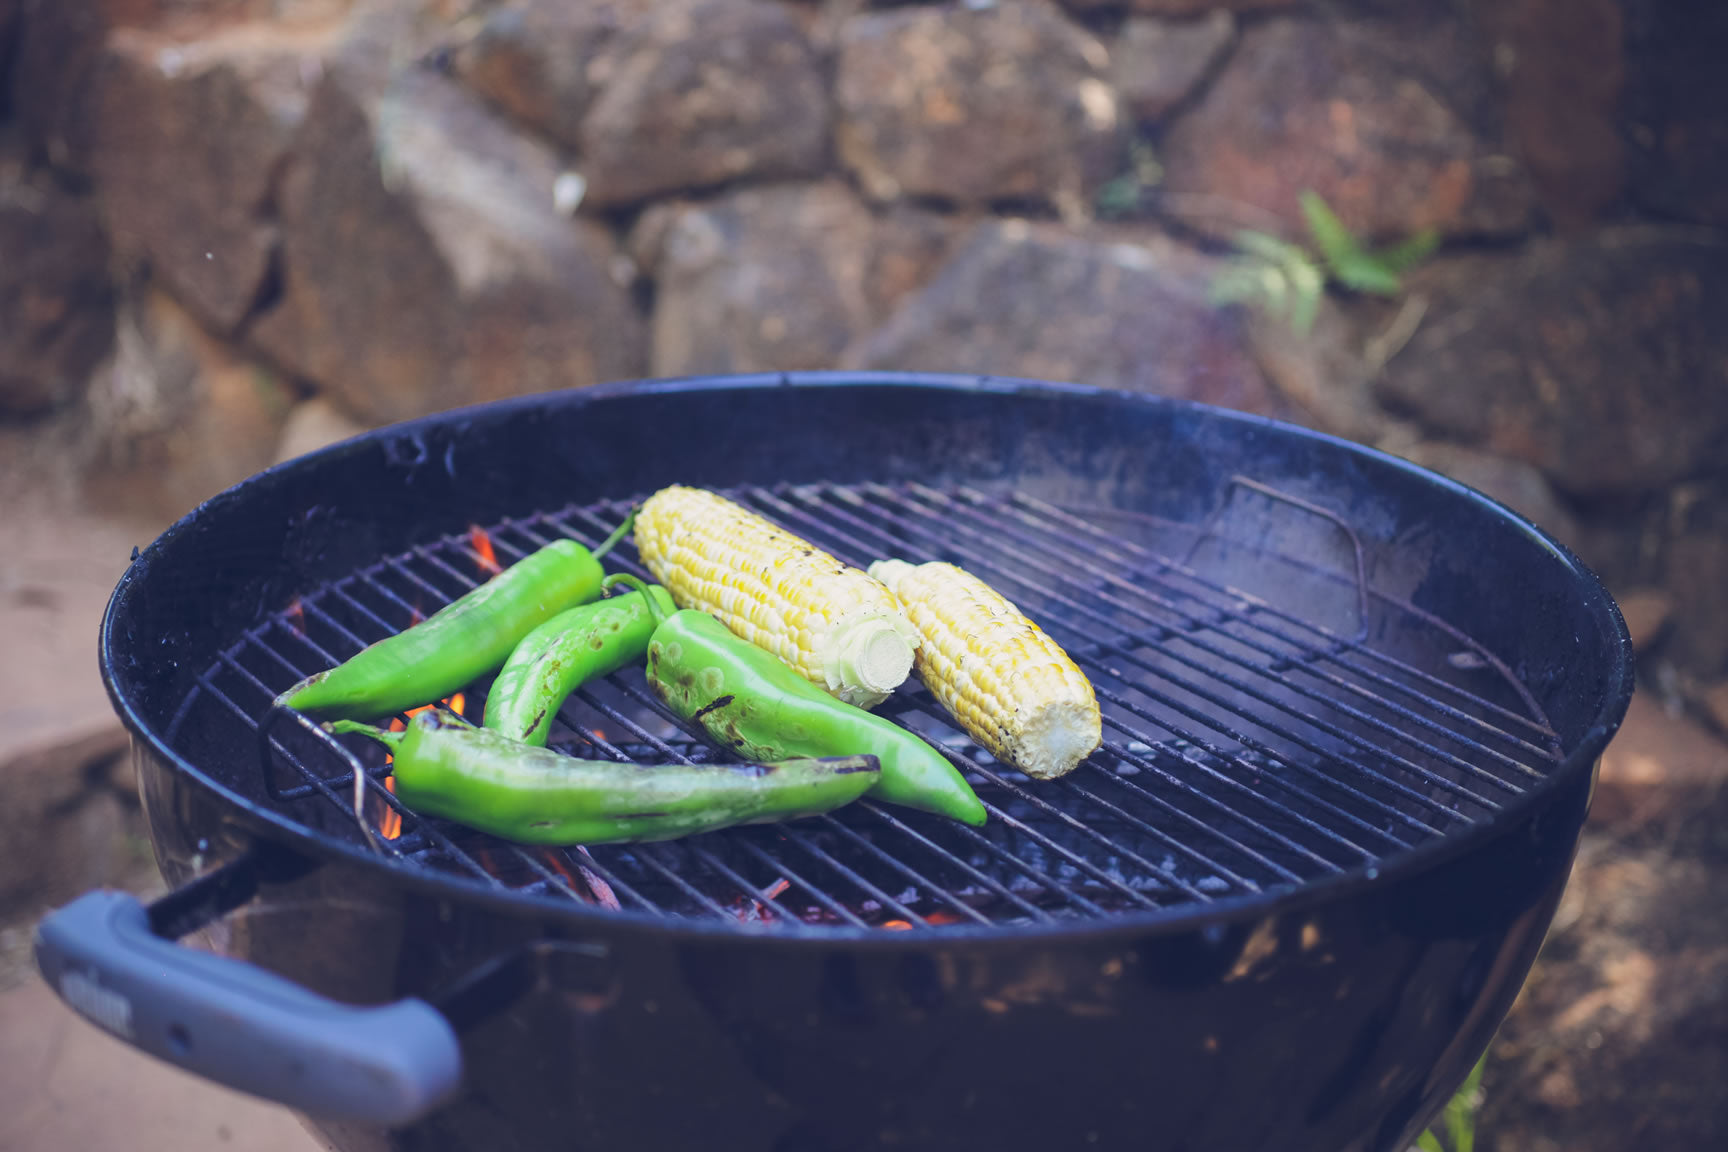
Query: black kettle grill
[1352, 712]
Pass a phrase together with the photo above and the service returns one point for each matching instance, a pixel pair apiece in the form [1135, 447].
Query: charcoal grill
[1351, 713]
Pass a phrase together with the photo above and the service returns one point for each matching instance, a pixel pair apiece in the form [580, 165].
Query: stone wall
[238, 227]
[232, 230]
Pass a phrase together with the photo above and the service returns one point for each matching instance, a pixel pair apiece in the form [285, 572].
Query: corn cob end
[866, 660]
[1007, 683]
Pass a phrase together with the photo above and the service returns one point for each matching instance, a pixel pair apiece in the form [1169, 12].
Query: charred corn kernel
[833, 623]
[1002, 678]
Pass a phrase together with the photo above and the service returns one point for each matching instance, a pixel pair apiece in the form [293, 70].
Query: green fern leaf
[1403, 256]
[1365, 273]
[1337, 246]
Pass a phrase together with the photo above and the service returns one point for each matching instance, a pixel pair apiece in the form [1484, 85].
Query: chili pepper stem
[618, 534]
[635, 585]
[341, 727]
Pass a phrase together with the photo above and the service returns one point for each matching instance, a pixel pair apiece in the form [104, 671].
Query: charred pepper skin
[574, 647]
[752, 702]
[484, 779]
[469, 637]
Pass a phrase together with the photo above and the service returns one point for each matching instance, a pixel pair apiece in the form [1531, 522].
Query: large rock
[426, 264]
[56, 304]
[1676, 94]
[1601, 361]
[1339, 109]
[1007, 103]
[53, 76]
[1126, 311]
[705, 92]
[535, 60]
[176, 415]
[1696, 575]
[658, 96]
[777, 279]
[1156, 64]
[1565, 73]
[1179, 7]
[191, 136]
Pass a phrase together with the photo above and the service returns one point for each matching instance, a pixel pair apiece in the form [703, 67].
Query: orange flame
[482, 545]
[296, 616]
[391, 826]
[897, 925]
[454, 703]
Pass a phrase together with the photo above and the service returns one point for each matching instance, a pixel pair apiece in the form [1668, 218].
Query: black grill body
[1330, 1009]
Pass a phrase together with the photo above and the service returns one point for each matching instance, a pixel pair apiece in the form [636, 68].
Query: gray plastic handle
[239, 1025]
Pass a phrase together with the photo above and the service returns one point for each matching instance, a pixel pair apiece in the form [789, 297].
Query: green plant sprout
[1458, 1117]
[1121, 195]
[1286, 279]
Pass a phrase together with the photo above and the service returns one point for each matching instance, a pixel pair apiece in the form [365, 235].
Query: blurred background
[1487, 235]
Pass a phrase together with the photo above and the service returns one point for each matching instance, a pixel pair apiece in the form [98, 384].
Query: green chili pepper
[572, 648]
[484, 779]
[752, 702]
[469, 637]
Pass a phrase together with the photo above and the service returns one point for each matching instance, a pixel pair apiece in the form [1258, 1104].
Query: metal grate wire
[1251, 743]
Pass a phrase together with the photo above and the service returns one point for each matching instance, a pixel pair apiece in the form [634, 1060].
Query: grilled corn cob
[1002, 678]
[833, 623]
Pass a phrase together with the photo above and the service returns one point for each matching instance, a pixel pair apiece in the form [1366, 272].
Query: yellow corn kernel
[833, 623]
[1007, 683]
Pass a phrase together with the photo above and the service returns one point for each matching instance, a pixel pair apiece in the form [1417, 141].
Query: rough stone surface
[176, 415]
[1676, 93]
[425, 263]
[314, 424]
[977, 106]
[1322, 373]
[534, 60]
[1563, 93]
[1696, 575]
[1600, 361]
[764, 280]
[1305, 105]
[1648, 612]
[1178, 7]
[1156, 64]
[1615, 1044]
[1126, 311]
[191, 136]
[1514, 483]
[54, 74]
[1658, 769]
[8, 37]
[705, 92]
[56, 305]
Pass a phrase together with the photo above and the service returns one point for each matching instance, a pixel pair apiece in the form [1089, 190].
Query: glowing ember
[598, 888]
[415, 616]
[897, 925]
[457, 703]
[776, 888]
[483, 554]
[391, 826]
[296, 615]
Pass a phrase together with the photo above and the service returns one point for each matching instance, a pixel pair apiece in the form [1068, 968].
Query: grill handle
[238, 1025]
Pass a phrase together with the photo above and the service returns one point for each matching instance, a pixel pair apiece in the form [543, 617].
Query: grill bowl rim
[261, 820]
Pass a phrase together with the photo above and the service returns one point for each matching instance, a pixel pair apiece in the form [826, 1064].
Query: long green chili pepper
[484, 779]
[752, 702]
[572, 648]
[469, 637]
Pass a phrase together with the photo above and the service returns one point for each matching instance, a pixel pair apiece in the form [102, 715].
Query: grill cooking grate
[1252, 741]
